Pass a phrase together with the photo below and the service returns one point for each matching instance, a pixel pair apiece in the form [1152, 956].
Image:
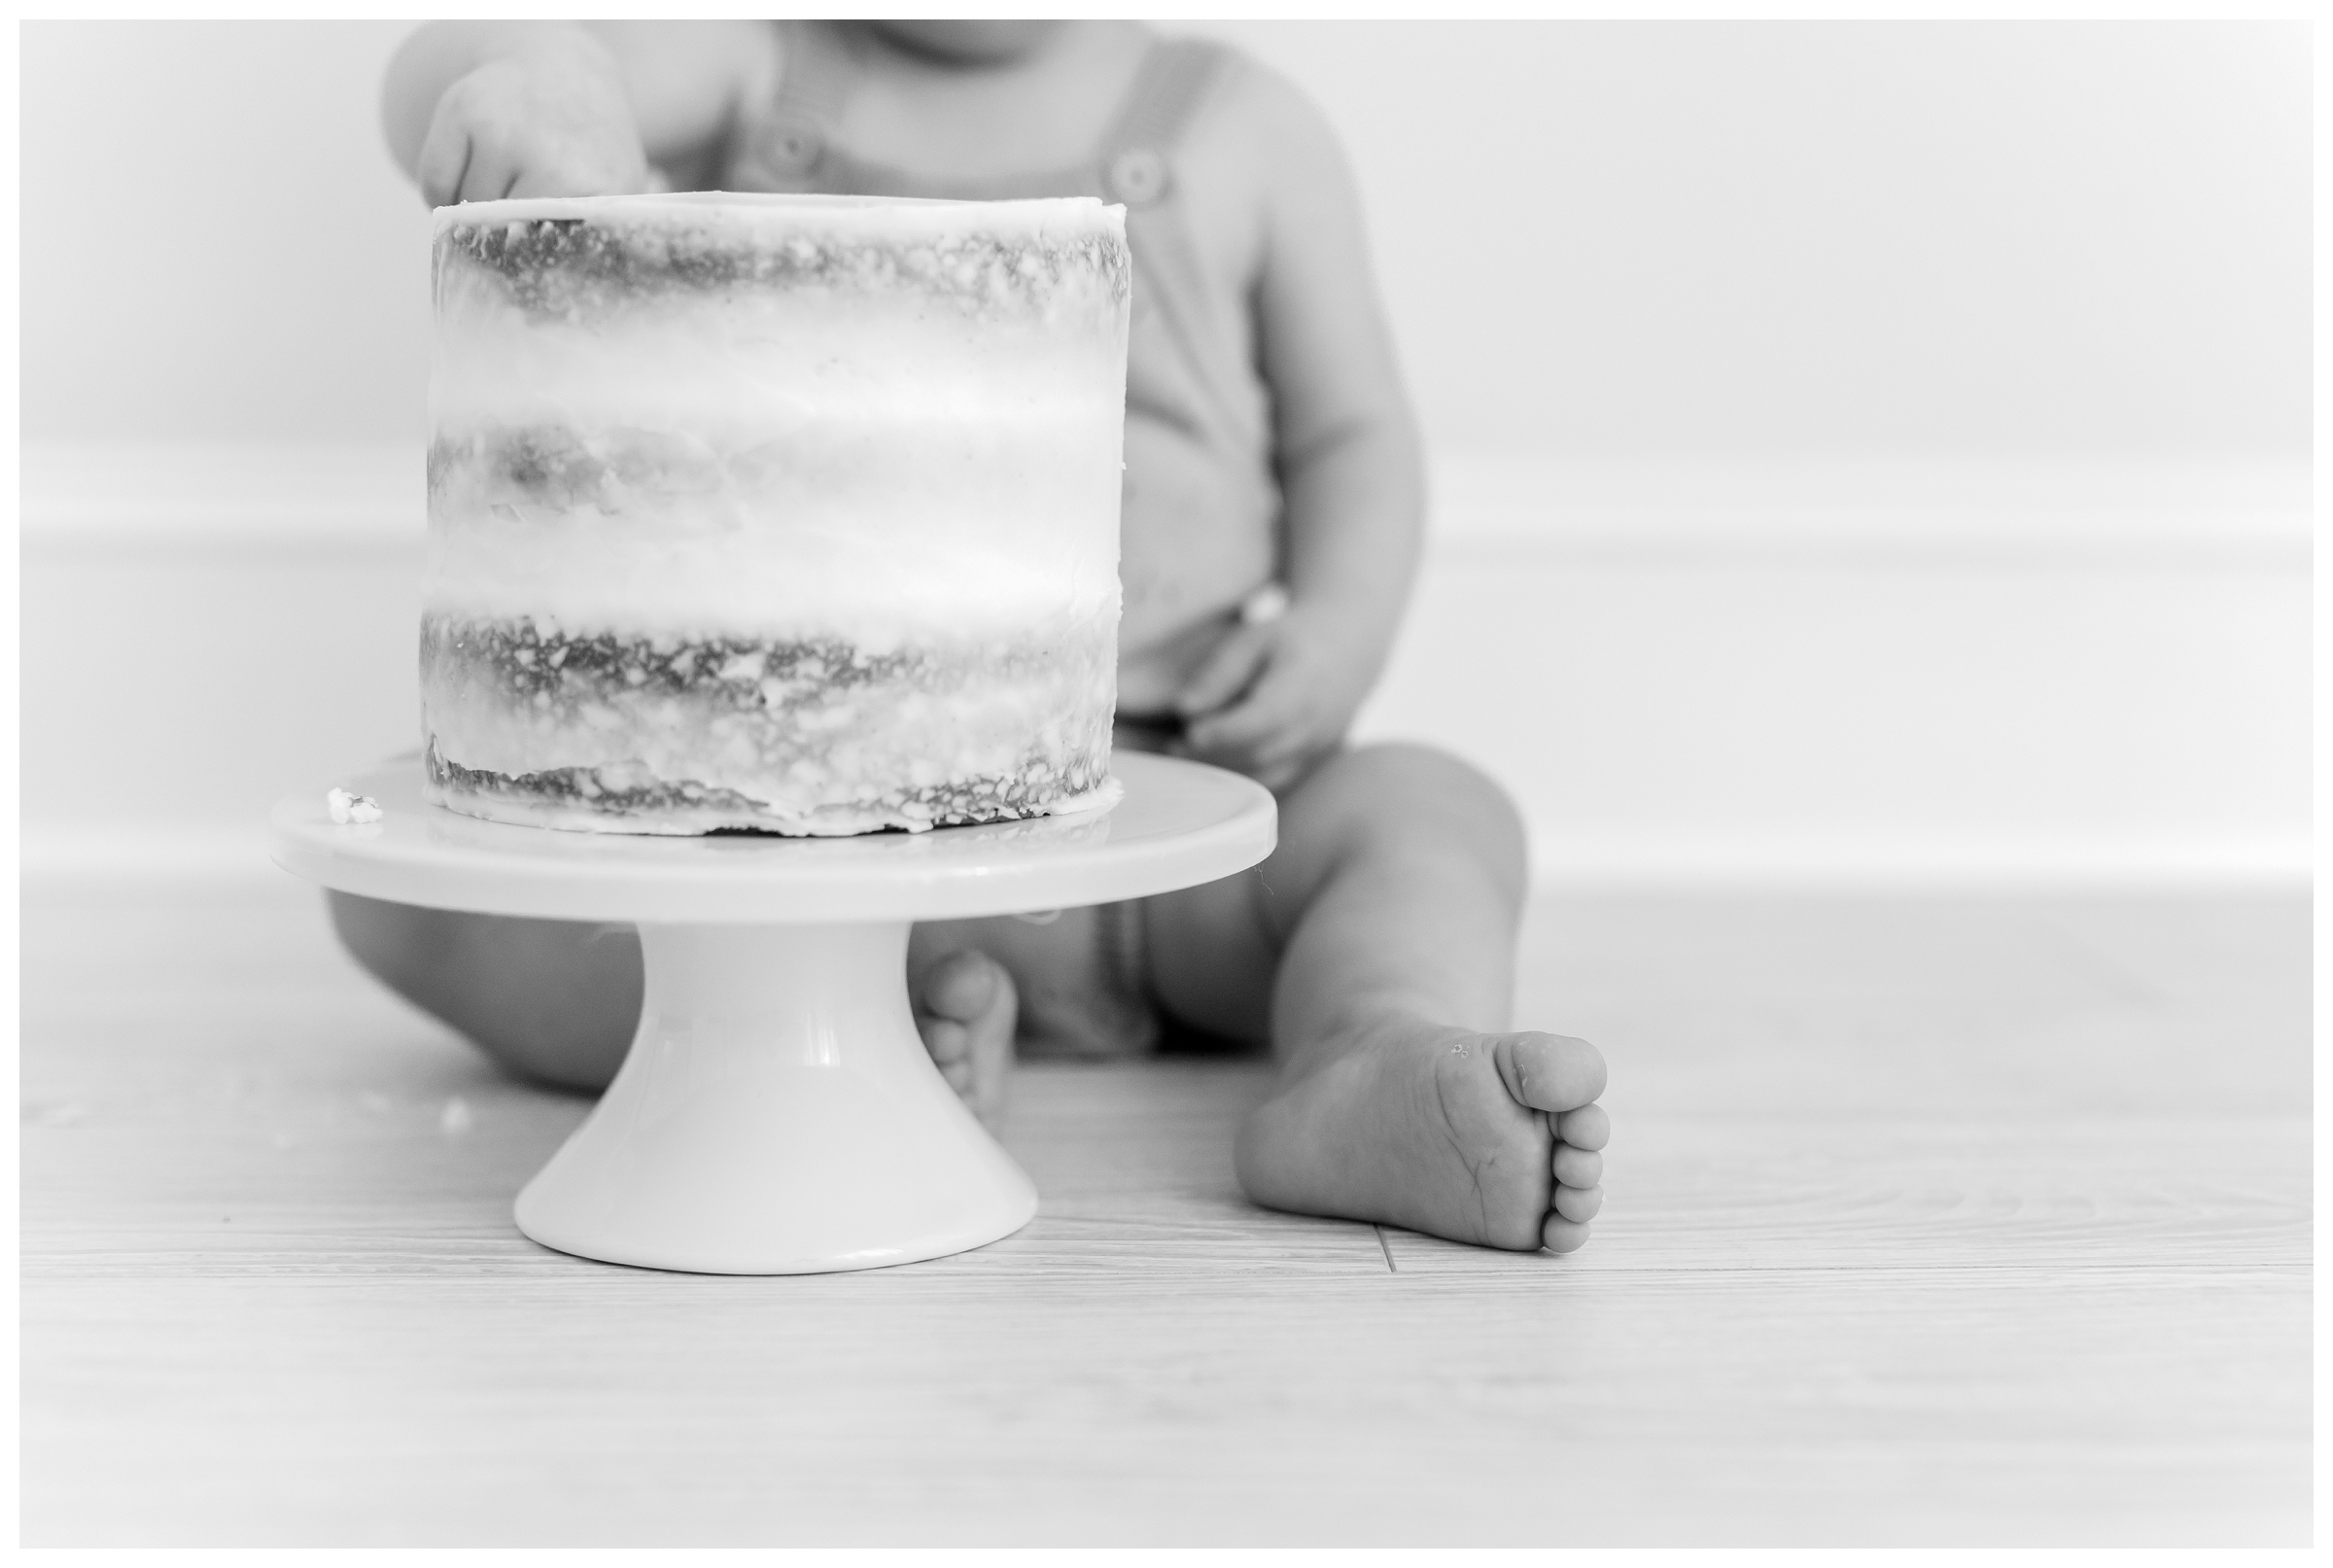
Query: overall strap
[817, 68]
[1176, 79]
[1173, 82]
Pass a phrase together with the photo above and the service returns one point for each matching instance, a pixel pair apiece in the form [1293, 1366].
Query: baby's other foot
[964, 1006]
[1489, 1138]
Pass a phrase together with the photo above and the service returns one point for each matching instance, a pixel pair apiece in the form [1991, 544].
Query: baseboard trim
[1913, 868]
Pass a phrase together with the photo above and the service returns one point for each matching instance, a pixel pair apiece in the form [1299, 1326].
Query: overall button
[791, 146]
[1139, 177]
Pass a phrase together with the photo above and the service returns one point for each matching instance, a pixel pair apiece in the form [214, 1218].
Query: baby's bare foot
[964, 1006]
[1490, 1138]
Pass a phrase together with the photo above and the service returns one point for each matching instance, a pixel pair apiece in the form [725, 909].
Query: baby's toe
[962, 985]
[1573, 1168]
[1587, 1128]
[1560, 1235]
[1551, 1072]
[948, 1041]
[1578, 1204]
[968, 1013]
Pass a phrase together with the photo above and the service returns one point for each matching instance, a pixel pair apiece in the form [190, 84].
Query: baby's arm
[476, 111]
[1275, 696]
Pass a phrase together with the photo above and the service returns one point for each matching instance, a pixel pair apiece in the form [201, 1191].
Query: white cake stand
[778, 1113]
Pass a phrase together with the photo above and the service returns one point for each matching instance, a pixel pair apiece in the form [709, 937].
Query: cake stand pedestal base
[778, 1112]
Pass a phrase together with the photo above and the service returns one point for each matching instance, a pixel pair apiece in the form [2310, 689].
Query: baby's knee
[1400, 792]
[1424, 782]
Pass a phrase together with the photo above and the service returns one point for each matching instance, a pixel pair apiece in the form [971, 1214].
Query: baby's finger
[582, 172]
[1257, 720]
[490, 173]
[1270, 760]
[1287, 756]
[1275, 776]
[1229, 671]
[555, 182]
[444, 159]
[1295, 736]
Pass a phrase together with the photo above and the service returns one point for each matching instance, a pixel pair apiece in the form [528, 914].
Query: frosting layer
[772, 510]
[669, 734]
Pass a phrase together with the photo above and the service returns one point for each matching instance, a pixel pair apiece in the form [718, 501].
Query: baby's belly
[1197, 538]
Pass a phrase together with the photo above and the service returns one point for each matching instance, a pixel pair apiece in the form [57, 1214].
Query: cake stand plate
[778, 1112]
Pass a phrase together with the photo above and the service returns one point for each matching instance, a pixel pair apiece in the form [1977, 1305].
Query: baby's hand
[551, 122]
[1275, 696]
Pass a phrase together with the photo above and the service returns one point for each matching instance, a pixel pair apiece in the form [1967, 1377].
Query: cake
[793, 514]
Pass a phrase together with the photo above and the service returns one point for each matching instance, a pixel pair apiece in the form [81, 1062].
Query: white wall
[213, 239]
[1595, 238]
[1820, 237]
[1860, 451]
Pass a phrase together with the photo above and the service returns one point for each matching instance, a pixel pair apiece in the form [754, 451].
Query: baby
[1271, 521]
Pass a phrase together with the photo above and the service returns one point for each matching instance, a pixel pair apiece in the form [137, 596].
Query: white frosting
[747, 361]
[781, 458]
[831, 524]
[754, 217]
[597, 577]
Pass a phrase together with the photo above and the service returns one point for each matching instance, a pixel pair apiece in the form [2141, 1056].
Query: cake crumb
[347, 808]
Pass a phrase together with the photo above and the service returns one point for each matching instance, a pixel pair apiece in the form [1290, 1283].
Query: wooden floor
[1927, 1222]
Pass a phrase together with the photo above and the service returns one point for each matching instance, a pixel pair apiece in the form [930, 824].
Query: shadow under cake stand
[778, 1112]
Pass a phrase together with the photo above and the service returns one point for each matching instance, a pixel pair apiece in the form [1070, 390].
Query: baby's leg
[555, 1001]
[1377, 945]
